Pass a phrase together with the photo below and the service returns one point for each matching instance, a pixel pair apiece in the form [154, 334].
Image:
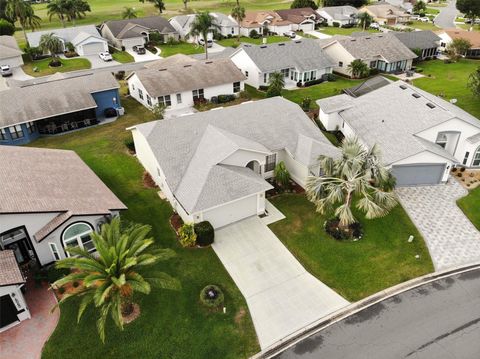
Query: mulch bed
[148, 181]
[176, 222]
[277, 190]
[133, 315]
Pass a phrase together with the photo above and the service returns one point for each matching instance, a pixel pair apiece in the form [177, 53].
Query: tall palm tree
[76, 9]
[203, 25]
[129, 13]
[52, 44]
[22, 11]
[238, 13]
[358, 68]
[365, 19]
[121, 267]
[57, 8]
[357, 174]
[276, 83]
[158, 4]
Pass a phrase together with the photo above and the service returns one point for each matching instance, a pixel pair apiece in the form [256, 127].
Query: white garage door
[419, 174]
[93, 49]
[232, 212]
[307, 27]
[12, 61]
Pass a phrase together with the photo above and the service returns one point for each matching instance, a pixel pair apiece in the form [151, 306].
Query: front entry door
[20, 249]
[8, 310]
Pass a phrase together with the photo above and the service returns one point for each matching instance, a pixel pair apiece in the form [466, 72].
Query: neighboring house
[386, 14]
[299, 61]
[212, 165]
[264, 22]
[179, 81]
[403, 4]
[13, 306]
[227, 26]
[303, 19]
[10, 53]
[448, 35]
[367, 86]
[383, 52]
[135, 32]
[51, 200]
[55, 105]
[421, 136]
[86, 39]
[344, 15]
[423, 43]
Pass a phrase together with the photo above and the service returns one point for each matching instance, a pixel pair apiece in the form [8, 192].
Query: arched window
[476, 158]
[78, 235]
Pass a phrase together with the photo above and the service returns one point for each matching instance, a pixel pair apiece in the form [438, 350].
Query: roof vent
[368, 37]
[298, 41]
[416, 95]
[281, 44]
[162, 70]
[209, 62]
[187, 65]
[263, 46]
[403, 87]
[431, 105]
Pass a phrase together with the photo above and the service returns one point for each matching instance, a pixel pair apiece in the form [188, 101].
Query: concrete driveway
[450, 236]
[147, 56]
[318, 34]
[281, 295]
[98, 63]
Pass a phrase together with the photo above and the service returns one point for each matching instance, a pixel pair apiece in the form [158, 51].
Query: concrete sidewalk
[281, 295]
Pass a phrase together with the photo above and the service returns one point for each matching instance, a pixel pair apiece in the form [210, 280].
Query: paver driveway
[281, 295]
[451, 238]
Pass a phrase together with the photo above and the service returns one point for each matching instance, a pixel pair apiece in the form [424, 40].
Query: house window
[313, 75]
[78, 235]
[54, 250]
[285, 72]
[233, 30]
[265, 78]
[30, 127]
[133, 87]
[476, 158]
[3, 134]
[465, 159]
[149, 100]
[165, 101]
[140, 94]
[340, 64]
[373, 64]
[197, 94]
[16, 132]
[270, 162]
[441, 140]
[236, 87]
[179, 98]
[246, 74]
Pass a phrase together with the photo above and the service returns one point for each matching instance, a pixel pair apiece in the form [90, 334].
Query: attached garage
[16, 61]
[307, 26]
[134, 41]
[232, 212]
[93, 48]
[419, 174]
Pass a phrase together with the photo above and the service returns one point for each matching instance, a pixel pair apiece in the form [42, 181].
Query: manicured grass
[171, 324]
[450, 80]
[433, 11]
[468, 26]
[382, 258]
[343, 31]
[234, 43]
[43, 68]
[122, 57]
[424, 25]
[185, 48]
[470, 205]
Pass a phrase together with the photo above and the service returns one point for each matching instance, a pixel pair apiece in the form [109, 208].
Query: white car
[6, 70]
[201, 41]
[105, 56]
[290, 34]
[424, 19]
[375, 26]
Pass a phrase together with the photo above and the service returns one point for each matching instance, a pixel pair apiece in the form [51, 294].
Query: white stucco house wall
[421, 136]
[212, 166]
[10, 53]
[264, 22]
[50, 200]
[299, 61]
[178, 81]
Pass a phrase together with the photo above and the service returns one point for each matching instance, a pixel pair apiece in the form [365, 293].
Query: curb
[356, 307]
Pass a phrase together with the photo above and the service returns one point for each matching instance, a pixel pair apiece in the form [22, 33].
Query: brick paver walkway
[451, 238]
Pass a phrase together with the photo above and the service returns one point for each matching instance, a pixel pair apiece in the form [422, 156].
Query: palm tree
[159, 5]
[202, 26]
[365, 20]
[276, 83]
[358, 68]
[22, 11]
[76, 9]
[357, 174]
[238, 13]
[57, 8]
[121, 267]
[185, 2]
[52, 44]
[129, 13]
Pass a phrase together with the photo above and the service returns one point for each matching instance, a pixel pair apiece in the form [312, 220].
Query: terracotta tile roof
[52, 225]
[297, 16]
[256, 19]
[472, 36]
[9, 272]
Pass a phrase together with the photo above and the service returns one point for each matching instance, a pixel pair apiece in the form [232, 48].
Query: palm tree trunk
[238, 35]
[205, 44]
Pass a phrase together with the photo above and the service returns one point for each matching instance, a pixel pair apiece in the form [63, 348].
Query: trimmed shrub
[75, 284]
[211, 296]
[306, 102]
[462, 169]
[330, 77]
[130, 144]
[61, 290]
[6, 27]
[120, 75]
[254, 34]
[335, 24]
[205, 233]
[353, 231]
[313, 82]
[263, 88]
[54, 274]
[225, 98]
[187, 235]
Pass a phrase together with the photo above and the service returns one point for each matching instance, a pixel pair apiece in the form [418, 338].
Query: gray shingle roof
[67, 33]
[151, 22]
[303, 55]
[160, 81]
[9, 47]
[335, 103]
[52, 97]
[367, 86]
[474, 138]
[9, 271]
[391, 117]
[418, 39]
[224, 54]
[340, 12]
[189, 149]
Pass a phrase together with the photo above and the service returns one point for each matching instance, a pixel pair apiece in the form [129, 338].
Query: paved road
[445, 19]
[440, 320]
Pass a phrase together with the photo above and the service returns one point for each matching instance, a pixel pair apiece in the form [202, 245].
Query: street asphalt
[445, 19]
[438, 320]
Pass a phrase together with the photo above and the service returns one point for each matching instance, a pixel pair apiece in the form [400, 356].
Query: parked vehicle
[5, 70]
[105, 56]
[139, 50]
[375, 26]
[290, 34]
[424, 19]
[415, 17]
[201, 42]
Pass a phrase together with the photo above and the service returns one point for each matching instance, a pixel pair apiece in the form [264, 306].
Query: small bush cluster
[354, 231]
[187, 235]
[223, 98]
[130, 144]
[254, 34]
[336, 24]
[205, 233]
[211, 296]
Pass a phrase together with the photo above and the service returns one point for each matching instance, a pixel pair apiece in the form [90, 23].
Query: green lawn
[424, 25]
[234, 43]
[433, 11]
[450, 80]
[43, 68]
[382, 258]
[343, 31]
[181, 48]
[122, 57]
[172, 324]
[470, 205]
